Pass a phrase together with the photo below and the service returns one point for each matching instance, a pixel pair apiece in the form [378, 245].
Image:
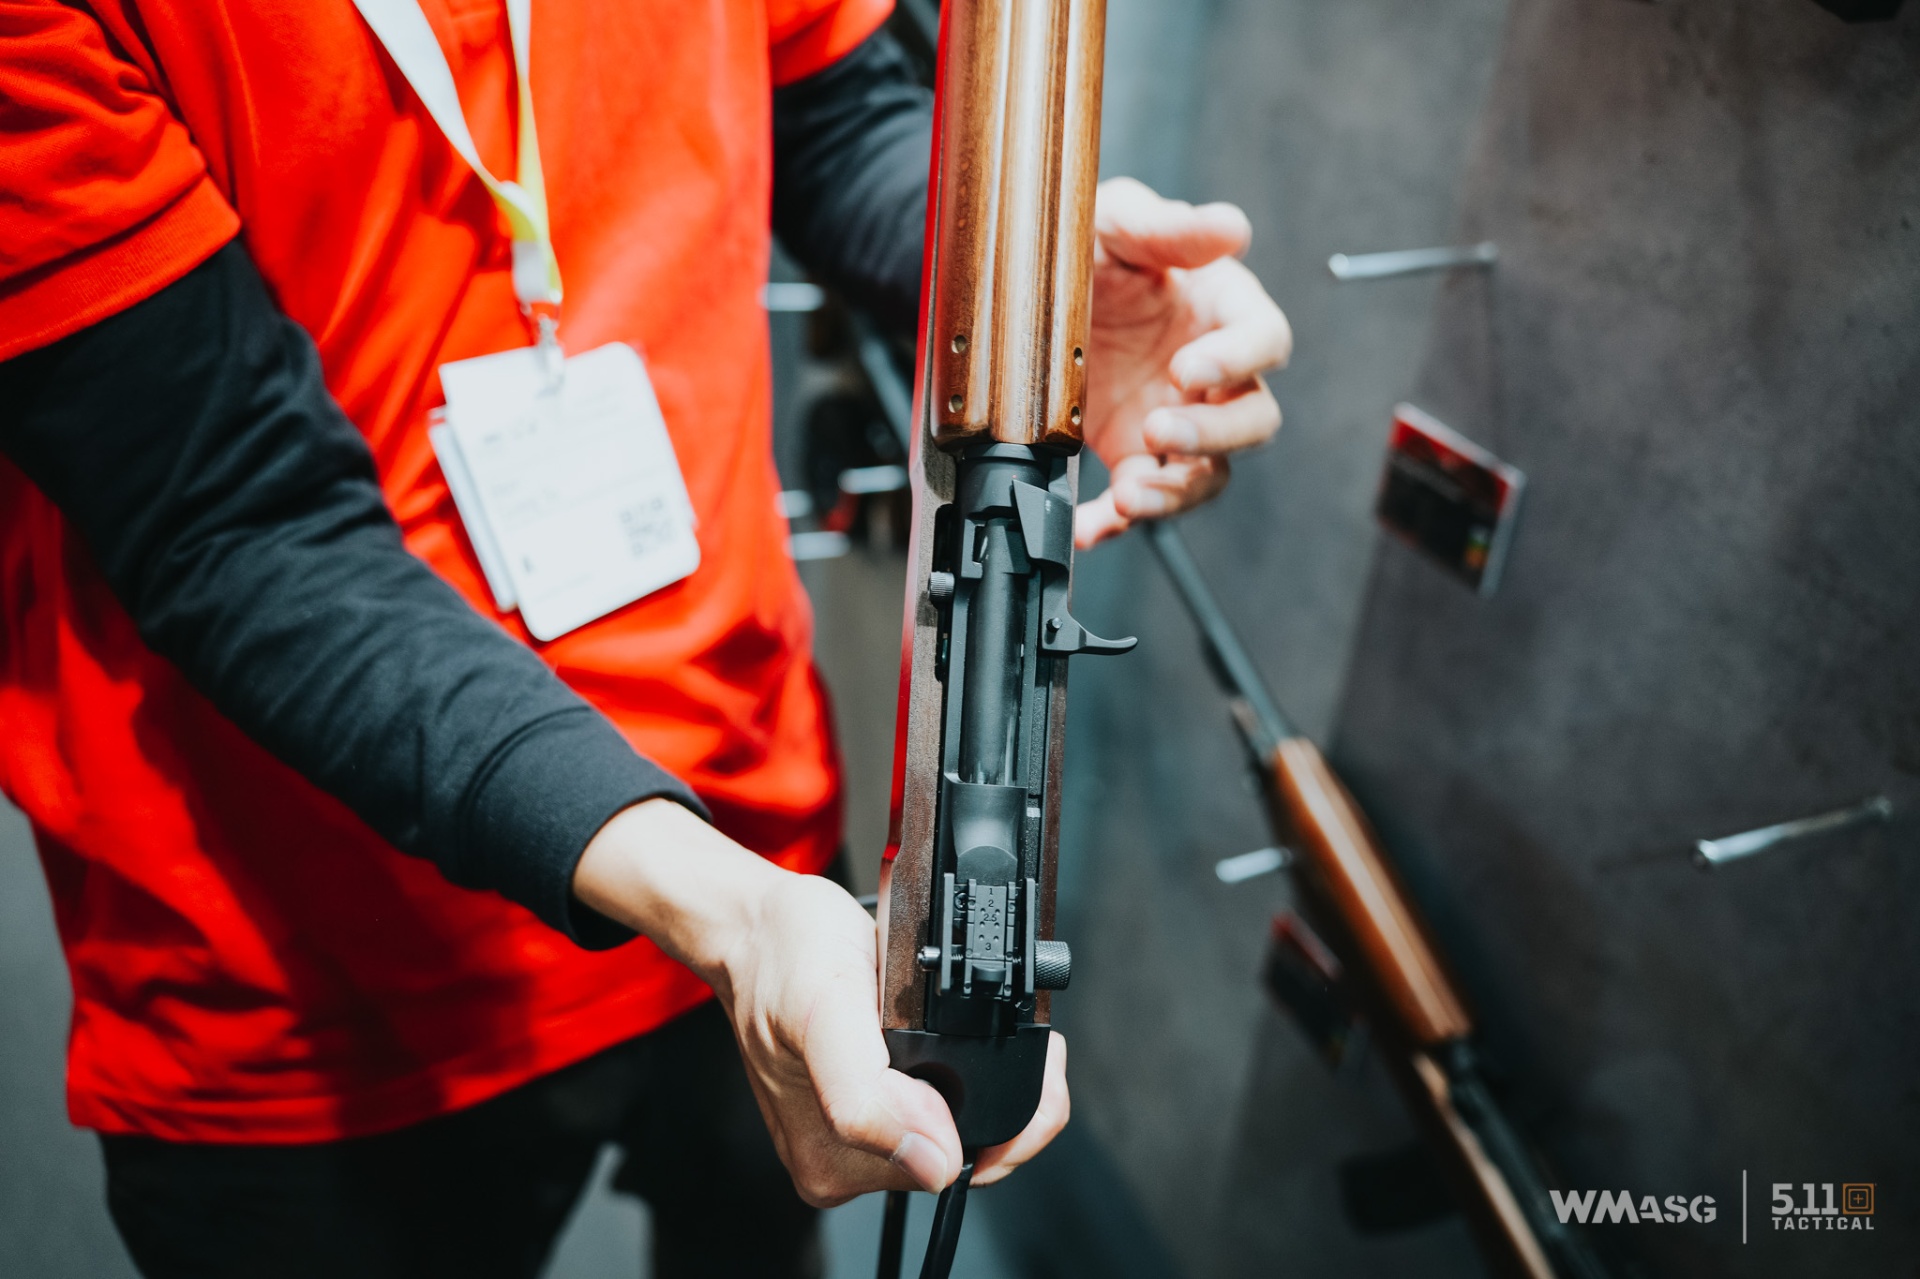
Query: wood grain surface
[1014, 173]
[1340, 853]
[1506, 1240]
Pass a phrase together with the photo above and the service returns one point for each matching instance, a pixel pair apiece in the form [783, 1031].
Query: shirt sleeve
[805, 36]
[234, 511]
[104, 198]
[851, 144]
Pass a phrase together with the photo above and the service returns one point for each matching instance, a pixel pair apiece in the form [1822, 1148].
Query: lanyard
[402, 28]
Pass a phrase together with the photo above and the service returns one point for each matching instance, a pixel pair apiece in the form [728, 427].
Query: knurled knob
[940, 584]
[1052, 965]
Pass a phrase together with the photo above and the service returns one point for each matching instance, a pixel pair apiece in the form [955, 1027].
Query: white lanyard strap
[409, 41]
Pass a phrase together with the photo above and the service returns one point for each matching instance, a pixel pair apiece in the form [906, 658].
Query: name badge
[568, 487]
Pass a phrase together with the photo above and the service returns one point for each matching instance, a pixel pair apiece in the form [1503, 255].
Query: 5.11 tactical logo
[1851, 1210]
[1849, 1205]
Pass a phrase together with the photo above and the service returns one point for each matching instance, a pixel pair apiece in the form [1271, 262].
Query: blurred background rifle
[1382, 966]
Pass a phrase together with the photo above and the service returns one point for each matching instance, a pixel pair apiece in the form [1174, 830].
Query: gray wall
[1339, 128]
[1701, 344]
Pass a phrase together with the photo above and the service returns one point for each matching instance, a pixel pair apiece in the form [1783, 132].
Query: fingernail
[921, 1160]
[1175, 434]
[1199, 372]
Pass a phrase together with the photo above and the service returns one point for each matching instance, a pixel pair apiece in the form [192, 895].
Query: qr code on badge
[648, 526]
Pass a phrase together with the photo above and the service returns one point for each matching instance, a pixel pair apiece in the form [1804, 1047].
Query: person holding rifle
[407, 846]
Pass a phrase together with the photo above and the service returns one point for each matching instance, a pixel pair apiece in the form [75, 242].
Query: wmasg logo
[1601, 1207]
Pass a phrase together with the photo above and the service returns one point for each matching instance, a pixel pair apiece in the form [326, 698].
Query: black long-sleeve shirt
[850, 151]
[234, 512]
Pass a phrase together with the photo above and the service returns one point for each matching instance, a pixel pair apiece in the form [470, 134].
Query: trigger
[1062, 636]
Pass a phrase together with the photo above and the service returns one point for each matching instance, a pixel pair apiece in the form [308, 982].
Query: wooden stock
[1492, 1211]
[1007, 281]
[1341, 856]
[1018, 160]
[1356, 896]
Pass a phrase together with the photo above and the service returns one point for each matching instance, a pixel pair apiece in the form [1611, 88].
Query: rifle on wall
[1387, 966]
[968, 961]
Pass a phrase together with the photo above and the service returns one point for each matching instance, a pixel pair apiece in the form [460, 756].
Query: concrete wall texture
[1338, 128]
[1702, 343]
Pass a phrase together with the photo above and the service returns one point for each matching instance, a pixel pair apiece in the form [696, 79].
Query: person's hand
[1180, 334]
[794, 961]
[1048, 1119]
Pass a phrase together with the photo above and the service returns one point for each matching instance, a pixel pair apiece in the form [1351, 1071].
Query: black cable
[947, 1215]
[893, 1235]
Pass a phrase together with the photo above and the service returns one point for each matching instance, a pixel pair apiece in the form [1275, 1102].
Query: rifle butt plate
[991, 1082]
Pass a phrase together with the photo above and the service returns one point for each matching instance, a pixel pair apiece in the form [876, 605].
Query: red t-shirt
[249, 962]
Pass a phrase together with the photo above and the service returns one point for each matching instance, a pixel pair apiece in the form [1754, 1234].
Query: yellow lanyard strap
[402, 28]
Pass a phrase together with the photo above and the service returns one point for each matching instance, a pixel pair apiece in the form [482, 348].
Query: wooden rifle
[1388, 964]
[968, 958]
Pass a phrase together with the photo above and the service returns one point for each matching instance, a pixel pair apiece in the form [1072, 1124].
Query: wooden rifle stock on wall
[1363, 909]
[1338, 850]
[1389, 965]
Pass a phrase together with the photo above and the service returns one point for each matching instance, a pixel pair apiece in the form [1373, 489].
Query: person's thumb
[929, 1146]
[1145, 230]
[872, 1107]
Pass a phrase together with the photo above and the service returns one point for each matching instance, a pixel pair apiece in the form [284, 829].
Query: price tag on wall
[1448, 497]
[569, 487]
